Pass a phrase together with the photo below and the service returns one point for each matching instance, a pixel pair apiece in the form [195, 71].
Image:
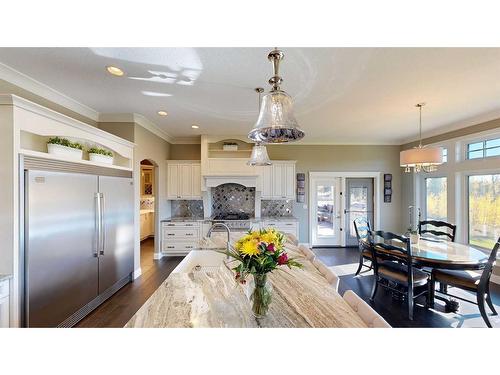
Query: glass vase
[261, 295]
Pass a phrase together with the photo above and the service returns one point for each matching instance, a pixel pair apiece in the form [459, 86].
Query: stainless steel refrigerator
[78, 240]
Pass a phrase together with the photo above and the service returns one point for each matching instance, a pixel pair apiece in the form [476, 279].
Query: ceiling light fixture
[421, 158]
[115, 71]
[162, 113]
[276, 122]
[195, 127]
[259, 155]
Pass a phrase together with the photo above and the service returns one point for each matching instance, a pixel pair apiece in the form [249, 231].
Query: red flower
[283, 259]
[270, 247]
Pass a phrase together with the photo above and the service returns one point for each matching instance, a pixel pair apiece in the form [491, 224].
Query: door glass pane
[436, 205]
[325, 198]
[484, 210]
[358, 206]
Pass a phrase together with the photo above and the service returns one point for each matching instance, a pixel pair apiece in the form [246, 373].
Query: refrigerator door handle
[97, 242]
[102, 235]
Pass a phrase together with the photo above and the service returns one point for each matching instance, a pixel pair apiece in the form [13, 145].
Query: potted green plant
[64, 147]
[230, 146]
[100, 155]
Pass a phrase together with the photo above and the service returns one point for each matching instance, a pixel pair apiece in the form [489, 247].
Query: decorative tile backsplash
[147, 203]
[187, 208]
[276, 208]
[228, 198]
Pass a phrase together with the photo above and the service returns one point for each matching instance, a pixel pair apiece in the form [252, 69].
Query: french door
[359, 204]
[325, 211]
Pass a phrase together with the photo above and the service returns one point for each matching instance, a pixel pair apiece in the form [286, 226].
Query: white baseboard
[306, 244]
[137, 273]
[495, 279]
[157, 256]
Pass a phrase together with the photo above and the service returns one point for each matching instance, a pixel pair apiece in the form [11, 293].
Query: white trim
[377, 179]
[157, 256]
[306, 244]
[27, 83]
[137, 272]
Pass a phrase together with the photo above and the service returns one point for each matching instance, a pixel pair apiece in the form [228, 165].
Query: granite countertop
[279, 218]
[212, 298]
[5, 277]
[185, 218]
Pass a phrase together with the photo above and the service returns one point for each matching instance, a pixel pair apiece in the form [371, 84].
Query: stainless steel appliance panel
[116, 255]
[60, 233]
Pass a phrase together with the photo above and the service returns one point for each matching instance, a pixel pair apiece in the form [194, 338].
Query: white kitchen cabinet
[278, 180]
[285, 226]
[179, 238]
[4, 304]
[183, 180]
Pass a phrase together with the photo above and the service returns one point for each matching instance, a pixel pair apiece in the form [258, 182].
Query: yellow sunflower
[249, 248]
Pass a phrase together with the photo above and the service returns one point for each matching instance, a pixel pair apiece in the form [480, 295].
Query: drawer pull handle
[170, 234]
[189, 247]
[170, 247]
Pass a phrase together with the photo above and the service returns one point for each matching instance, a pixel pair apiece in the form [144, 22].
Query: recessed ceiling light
[115, 71]
[195, 126]
[162, 113]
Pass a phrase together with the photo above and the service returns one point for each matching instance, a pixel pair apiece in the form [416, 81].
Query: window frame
[466, 176]
[424, 191]
[483, 149]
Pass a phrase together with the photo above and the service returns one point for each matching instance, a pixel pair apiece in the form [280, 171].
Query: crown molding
[187, 140]
[27, 83]
[139, 120]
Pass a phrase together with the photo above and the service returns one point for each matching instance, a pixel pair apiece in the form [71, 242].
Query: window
[484, 210]
[483, 149]
[445, 155]
[436, 198]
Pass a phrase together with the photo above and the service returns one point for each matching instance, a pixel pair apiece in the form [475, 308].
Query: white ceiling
[342, 95]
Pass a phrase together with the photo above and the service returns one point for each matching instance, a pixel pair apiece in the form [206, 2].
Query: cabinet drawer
[181, 234]
[174, 247]
[180, 224]
[4, 288]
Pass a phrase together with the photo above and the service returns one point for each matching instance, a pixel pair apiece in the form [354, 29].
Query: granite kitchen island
[210, 297]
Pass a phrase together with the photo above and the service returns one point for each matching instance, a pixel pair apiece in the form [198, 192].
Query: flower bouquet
[260, 252]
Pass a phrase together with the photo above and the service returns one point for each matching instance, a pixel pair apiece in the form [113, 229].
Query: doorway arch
[149, 191]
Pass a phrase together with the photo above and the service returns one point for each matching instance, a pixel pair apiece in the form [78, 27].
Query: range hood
[246, 180]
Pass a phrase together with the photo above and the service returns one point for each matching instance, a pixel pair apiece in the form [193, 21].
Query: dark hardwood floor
[344, 262]
[118, 310]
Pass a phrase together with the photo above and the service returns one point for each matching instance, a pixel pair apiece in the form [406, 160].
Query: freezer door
[61, 265]
[116, 256]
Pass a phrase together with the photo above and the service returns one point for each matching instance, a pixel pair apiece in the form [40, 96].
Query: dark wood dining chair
[444, 230]
[396, 267]
[362, 229]
[472, 281]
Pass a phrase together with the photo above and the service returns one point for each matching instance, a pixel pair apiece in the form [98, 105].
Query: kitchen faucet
[222, 225]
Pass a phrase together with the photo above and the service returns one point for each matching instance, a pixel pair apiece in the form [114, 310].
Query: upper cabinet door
[186, 180]
[173, 181]
[196, 173]
[267, 182]
[278, 175]
[289, 188]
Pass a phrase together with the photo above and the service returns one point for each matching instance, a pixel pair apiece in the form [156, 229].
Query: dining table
[440, 254]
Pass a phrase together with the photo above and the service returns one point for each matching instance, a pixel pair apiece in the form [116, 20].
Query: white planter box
[99, 158]
[230, 147]
[69, 152]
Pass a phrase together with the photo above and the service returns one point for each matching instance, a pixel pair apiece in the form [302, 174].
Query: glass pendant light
[276, 122]
[259, 155]
[421, 158]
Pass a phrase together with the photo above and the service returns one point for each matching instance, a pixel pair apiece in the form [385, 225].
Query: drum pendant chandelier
[421, 158]
[276, 122]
